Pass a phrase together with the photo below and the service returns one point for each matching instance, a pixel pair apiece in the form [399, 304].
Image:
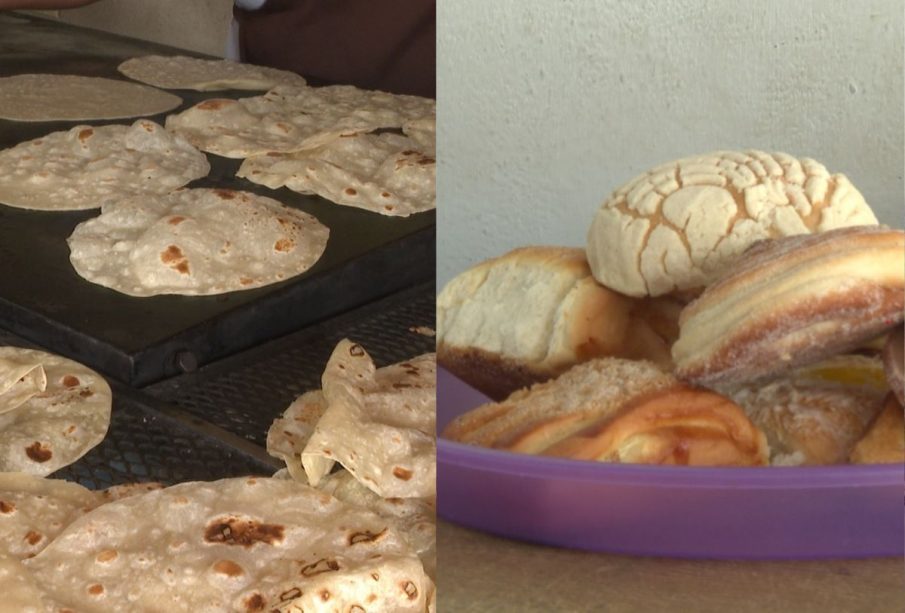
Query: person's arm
[43, 4]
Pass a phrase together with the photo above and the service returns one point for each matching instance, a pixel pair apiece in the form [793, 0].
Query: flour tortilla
[59, 425]
[379, 424]
[183, 72]
[242, 544]
[21, 593]
[20, 379]
[51, 97]
[424, 132]
[289, 433]
[33, 510]
[414, 518]
[383, 173]
[195, 242]
[86, 166]
[293, 118]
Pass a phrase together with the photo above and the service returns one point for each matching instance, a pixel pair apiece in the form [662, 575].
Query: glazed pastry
[791, 302]
[885, 440]
[893, 363]
[534, 312]
[815, 415]
[613, 410]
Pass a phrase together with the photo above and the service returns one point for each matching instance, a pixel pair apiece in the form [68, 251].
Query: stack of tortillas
[52, 97]
[384, 173]
[34, 510]
[52, 411]
[183, 72]
[379, 425]
[321, 136]
[245, 544]
[195, 242]
[86, 166]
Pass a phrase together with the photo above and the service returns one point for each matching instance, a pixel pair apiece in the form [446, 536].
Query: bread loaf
[532, 313]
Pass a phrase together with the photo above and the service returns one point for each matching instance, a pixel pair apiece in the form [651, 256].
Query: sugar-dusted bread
[816, 414]
[530, 314]
[791, 302]
[614, 410]
[680, 225]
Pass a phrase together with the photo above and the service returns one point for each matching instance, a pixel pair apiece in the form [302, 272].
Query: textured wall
[546, 107]
[200, 25]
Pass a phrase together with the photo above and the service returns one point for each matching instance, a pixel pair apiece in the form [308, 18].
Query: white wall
[545, 107]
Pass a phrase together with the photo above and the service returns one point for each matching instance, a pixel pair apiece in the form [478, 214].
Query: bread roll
[679, 225]
[532, 313]
[613, 410]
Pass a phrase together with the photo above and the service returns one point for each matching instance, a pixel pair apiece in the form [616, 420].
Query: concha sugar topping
[679, 225]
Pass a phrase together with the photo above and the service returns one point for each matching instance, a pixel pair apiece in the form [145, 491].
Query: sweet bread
[679, 225]
[613, 410]
[816, 415]
[532, 313]
[791, 302]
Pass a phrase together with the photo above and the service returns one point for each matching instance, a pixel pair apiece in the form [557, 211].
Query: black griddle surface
[140, 340]
[212, 424]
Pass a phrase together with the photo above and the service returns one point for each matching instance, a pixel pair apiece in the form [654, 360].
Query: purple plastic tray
[743, 513]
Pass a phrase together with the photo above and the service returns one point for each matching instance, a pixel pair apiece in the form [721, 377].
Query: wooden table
[479, 573]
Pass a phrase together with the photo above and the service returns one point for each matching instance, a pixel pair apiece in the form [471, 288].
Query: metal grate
[141, 446]
[198, 426]
[146, 444]
[244, 393]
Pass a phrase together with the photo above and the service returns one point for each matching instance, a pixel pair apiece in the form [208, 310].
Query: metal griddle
[142, 340]
[212, 423]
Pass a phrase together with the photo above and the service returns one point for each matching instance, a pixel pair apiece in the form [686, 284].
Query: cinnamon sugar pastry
[885, 439]
[815, 415]
[793, 301]
[613, 410]
[534, 312]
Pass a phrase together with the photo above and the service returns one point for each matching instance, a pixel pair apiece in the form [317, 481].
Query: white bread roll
[532, 313]
[679, 225]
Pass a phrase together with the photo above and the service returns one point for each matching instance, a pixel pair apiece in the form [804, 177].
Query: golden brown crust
[884, 441]
[792, 302]
[751, 355]
[680, 425]
[614, 410]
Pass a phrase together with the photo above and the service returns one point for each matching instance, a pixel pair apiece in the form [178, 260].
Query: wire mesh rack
[213, 423]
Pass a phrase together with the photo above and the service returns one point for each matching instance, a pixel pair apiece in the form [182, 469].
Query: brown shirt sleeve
[374, 44]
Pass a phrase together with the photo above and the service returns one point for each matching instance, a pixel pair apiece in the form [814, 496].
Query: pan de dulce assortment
[776, 361]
